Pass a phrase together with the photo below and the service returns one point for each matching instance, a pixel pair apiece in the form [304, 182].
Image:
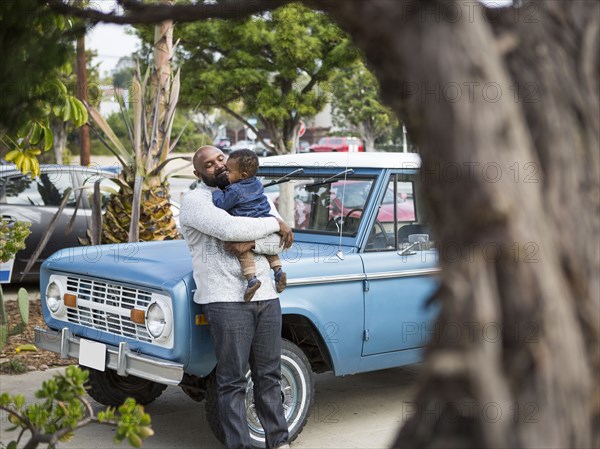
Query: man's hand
[238, 248]
[287, 236]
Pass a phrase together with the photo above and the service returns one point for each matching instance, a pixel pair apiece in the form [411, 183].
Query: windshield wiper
[330, 179]
[285, 178]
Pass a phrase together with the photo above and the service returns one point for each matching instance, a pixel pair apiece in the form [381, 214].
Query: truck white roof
[356, 160]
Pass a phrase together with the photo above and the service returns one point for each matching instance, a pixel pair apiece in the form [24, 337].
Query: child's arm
[225, 199]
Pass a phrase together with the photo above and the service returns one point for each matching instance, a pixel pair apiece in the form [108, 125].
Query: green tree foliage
[12, 240]
[122, 75]
[64, 408]
[278, 64]
[34, 42]
[189, 141]
[356, 106]
[37, 43]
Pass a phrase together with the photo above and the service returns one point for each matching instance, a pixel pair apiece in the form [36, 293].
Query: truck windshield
[323, 207]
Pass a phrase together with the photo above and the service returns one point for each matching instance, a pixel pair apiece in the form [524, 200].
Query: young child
[245, 197]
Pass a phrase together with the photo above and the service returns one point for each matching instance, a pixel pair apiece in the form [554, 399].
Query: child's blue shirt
[245, 198]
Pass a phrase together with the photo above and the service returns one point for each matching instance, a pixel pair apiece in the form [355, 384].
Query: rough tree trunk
[59, 129]
[160, 82]
[369, 140]
[505, 111]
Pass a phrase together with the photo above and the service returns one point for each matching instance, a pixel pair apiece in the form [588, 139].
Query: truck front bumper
[118, 358]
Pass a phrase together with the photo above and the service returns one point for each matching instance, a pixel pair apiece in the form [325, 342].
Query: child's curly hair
[247, 161]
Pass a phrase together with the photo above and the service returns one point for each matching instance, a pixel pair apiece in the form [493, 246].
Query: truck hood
[156, 264]
[166, 263]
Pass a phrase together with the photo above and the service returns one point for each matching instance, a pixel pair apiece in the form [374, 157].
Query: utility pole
[84, 131]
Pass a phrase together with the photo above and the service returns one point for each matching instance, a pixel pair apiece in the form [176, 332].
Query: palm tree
[141, 209]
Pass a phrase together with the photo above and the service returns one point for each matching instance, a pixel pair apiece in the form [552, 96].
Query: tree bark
[82, 86]
[161, 87]
[59, 129]
[504, 108]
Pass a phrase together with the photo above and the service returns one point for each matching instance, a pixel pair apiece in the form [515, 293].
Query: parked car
[351, 144]
[223, 144]
[303, 146]
[257, 147]
[37, 201]
[355, 302]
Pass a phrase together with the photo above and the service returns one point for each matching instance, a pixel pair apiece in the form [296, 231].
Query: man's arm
[269, 245]
[199, 212]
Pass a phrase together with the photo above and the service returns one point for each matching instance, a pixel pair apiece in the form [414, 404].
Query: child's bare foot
[280, 280]
[253, 285]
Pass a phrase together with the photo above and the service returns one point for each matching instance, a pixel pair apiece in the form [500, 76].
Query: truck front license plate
[92, 354]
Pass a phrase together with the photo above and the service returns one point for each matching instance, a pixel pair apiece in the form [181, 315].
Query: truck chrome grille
[106, 307]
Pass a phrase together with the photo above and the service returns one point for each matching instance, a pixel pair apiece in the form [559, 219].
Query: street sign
[251, 135]
[302, 129]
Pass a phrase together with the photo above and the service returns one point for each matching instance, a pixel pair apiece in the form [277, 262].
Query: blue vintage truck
[359, 275]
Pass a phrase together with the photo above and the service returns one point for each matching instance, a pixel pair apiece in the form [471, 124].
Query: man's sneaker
[253, 285]
[280, 280]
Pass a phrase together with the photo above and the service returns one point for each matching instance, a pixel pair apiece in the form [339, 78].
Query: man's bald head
[209, 165]
[201, 151]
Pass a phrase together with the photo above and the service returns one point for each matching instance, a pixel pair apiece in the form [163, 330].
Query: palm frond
[137, 118]
[47, 233]
[105, 143]
[162, 165]
[109, 133]
[134, 226]
[170, 115]
[125, 116]
[96, 231]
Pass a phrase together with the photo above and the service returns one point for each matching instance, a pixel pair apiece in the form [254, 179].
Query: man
[242, 332]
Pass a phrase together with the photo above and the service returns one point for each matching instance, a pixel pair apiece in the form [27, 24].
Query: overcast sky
[110, 41]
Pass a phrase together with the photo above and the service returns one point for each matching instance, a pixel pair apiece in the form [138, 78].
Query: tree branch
[240, 118]
[136, 12]
[24, 419]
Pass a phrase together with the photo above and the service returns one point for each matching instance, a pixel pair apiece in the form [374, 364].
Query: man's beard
[222, 179]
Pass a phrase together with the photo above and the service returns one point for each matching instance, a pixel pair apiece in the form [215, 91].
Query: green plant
[65, 409]
[5, 330]
[12, 239]
[13, 367]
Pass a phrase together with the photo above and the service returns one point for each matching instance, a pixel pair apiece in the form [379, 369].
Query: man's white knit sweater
[217, 273]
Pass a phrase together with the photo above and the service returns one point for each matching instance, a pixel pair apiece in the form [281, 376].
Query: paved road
[360, 411]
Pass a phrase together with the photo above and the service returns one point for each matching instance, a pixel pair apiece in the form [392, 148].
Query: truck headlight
[54, 296]
[158, 320]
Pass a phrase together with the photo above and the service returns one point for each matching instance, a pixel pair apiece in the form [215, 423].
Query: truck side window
[396, 212]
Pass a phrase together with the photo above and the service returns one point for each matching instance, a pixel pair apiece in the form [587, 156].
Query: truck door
[398, 281]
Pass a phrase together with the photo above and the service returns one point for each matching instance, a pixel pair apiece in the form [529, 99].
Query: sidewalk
[361, 411]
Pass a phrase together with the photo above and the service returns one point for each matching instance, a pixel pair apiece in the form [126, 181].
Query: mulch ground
[14, 361]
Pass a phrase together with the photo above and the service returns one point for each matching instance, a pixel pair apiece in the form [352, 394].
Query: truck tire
[108, 388]
[297, 395]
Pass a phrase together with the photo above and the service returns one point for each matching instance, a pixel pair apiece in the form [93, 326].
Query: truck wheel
[297, 396]
[108, 388]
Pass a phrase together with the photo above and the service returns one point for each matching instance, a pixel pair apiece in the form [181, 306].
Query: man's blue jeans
[245, 332]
